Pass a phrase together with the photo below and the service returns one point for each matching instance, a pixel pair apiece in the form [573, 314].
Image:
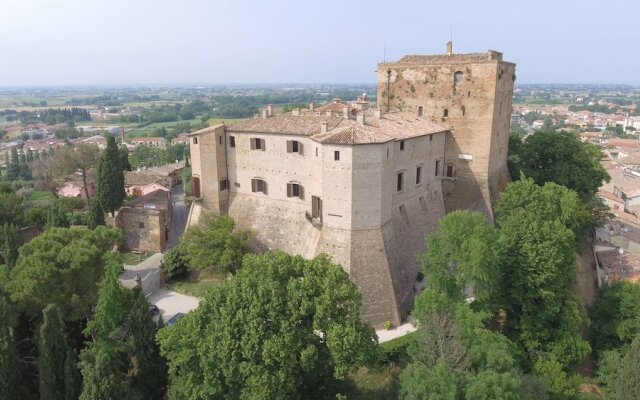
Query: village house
[159, 142]
[146, 222]
[181, 139]
[75, 188]
[366, 184]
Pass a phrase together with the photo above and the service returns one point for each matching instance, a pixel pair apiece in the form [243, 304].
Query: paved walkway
[170, 303]
[385, 335]
[179, 216]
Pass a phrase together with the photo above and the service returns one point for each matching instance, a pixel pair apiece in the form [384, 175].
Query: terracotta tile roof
[608, 195]
[141, 178]
[444, 57]
[390, 126]
[616, 266]
[158, 199]
[335, 106]
[630, 143]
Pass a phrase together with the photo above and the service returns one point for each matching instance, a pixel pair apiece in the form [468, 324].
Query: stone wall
[143, 229]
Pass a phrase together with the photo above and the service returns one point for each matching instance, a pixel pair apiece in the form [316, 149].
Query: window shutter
[289, 190]
[262, 144]
[254, 185]
[264, 187]
[300, 148]
[301, 192]
[253, 145]
[314, 206]
[289, 146]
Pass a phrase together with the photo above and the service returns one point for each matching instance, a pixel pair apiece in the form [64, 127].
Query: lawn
[129, 258]
[226, 121]
[196, 284]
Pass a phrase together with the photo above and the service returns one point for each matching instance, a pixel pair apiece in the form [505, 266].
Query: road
[179, 217]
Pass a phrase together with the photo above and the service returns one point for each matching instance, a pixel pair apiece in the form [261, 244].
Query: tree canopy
[110, 188]
[284, 327]
[560, 157]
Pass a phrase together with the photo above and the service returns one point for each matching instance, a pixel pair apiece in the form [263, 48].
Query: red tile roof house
[75, 188]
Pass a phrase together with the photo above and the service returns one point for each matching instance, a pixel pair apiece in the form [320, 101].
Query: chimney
[264, 113]
[311, 106]
[323, 127]
[345, 112]
[269, 110]
[449, 48]
[360, 118]
[377, 113]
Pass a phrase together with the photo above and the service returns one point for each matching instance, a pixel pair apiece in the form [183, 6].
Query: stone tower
[471, 94]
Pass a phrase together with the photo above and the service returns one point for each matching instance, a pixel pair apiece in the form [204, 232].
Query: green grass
[41, 196]
[196, 284]
[129, 258]
[137, 132]
[226, 121]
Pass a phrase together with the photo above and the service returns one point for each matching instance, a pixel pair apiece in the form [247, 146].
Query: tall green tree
[72, 377]
[627, 385]
[615, 316]
[57, 218]
[9, 361]
[284, 327]
[124, 158]
[79, 159]
[10, 245]
[110, 191]
[96, 215]
[150, 373]
[52, 351]
[102, 364]
[61, 266]
[560, 157]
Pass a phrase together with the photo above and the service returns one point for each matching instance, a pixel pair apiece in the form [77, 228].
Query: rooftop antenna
[384, 54]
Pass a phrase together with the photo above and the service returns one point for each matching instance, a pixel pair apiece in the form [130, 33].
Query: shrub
[175, 265]
[78, 218]
[396, 349]
[37, 216]
[387, 325]
[68, 204]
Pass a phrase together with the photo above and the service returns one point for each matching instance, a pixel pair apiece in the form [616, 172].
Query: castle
[365, 185]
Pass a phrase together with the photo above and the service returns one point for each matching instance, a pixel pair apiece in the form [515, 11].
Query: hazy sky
[49, 42]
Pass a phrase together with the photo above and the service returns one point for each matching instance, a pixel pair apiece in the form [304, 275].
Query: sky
[89, 42]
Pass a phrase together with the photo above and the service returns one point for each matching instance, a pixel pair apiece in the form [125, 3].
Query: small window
[224, 184]
[257, 144]
[402, 145]
[336, 155]
[258, 185]
[418, 175]
[220, 139]
[316, 152]
[195, 140]
[445, 113]
[295, 190]
[232, 141]
[450, 171]
[400, 181]
[141, 225]
[316, 207]
[420, 111]
[294, 146]
[437, 167]
[431, 138]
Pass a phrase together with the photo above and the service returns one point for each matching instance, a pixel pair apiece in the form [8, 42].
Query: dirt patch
[586, 285]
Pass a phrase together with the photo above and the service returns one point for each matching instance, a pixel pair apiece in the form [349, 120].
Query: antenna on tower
[384, 53]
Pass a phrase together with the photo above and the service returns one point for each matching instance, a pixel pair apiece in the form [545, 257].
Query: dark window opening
[418, 175]
[257, 144]
[224, 184]
[295, 190]
[220, 139]
[258, 185]
[232, 141]
[400, 181]
[420, 111]
[402, 145]
[445, 113]
[316, 207]
[294, 146]
[195, 140]
[437, 167]
[316, 152]
[141, 225]
[450, 171]
[336, 155]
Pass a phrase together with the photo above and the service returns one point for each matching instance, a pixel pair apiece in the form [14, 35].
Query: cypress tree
[124, 158]
[52, 350]
[9, 362]
[57, 218]
[72, 378]
[96, 215]
[150, 378]
[110, 191]
[10, 244]
[102, 378]
[14, 156]
[628, 383]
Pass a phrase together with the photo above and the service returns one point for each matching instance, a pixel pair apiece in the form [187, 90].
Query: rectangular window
[224, 184]
[316, 152]
[295, 190]
[336, 155]
[400, 181]
[420, 111]
[220, 139]
[437, 167]
[258, 185]
[316, 207]
[232, 141]
[450, 171]
[294, 146]
[402, 145]
[257, 144]
[141, 225]
[195, 140]
[418, 175]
